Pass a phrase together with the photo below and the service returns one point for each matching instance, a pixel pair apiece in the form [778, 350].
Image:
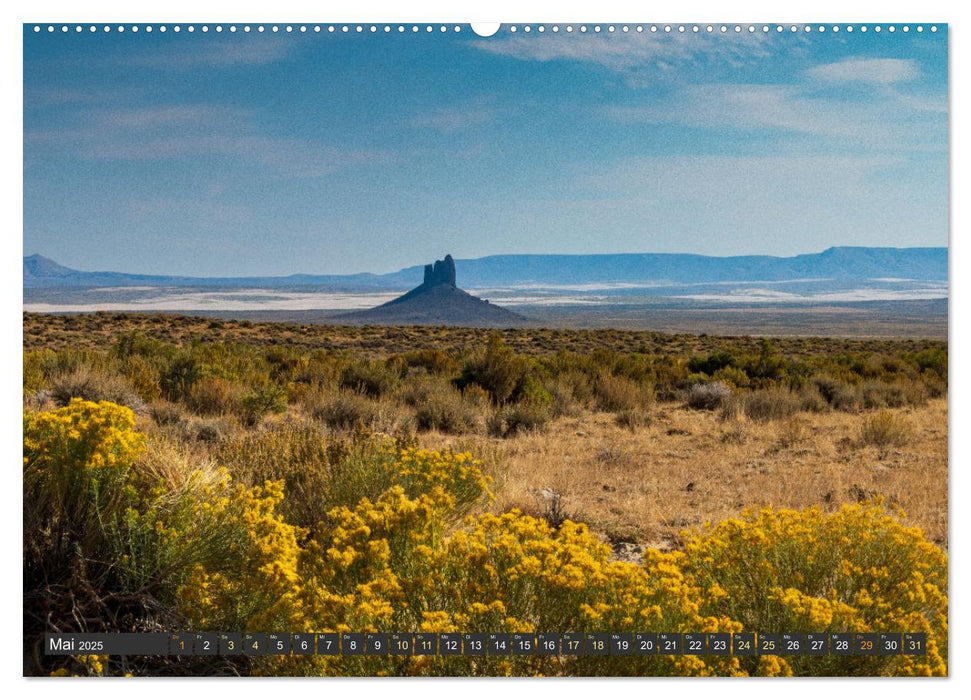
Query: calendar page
[545, 349]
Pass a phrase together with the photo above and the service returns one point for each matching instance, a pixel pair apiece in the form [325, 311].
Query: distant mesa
[437, 301]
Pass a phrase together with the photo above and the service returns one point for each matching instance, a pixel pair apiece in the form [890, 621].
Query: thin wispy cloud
[166, 132]
[632, 52]
[453, 119]
[879, 71]
[213, 52]
[884, 119]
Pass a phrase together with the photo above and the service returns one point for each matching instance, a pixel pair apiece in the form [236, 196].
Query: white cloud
[878, 71]
[630, 52]
[883, 119]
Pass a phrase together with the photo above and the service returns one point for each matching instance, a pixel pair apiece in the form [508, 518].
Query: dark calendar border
[488, 644]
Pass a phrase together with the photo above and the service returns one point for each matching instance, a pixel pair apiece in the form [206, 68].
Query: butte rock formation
[437, 301]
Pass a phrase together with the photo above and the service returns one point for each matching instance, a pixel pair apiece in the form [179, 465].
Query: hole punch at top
[485, 29]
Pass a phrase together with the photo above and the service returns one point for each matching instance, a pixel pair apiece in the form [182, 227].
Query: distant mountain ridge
[838, 263]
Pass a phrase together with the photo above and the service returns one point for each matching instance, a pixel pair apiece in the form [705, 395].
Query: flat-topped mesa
[442, 272]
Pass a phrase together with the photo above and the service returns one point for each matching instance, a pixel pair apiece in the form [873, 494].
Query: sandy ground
[644, 487]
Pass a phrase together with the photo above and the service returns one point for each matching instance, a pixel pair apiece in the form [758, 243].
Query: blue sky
[263, 154]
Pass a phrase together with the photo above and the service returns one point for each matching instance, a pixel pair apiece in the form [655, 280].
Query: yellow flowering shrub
[372, 464]
[368, 567]
[76, 461]
[255, 586]
[397, 558]
[859, 569]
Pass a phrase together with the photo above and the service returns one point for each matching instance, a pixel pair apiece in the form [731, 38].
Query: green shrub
[810, 400]
[261, 402]
[346, 410]
[432, 360]
[733, 377]
[143, 377]
[213, 396]
[530, 389]
[179, 375]
[712, 363]
[770, 404]
[519, 418]
[34, 379]
[446, 412]
[621, 394]
[838, 394]
[371, 378]
[497, 369]
[933, 359]
[880, 394]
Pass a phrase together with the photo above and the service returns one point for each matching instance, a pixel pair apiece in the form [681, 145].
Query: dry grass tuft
[886, 429]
